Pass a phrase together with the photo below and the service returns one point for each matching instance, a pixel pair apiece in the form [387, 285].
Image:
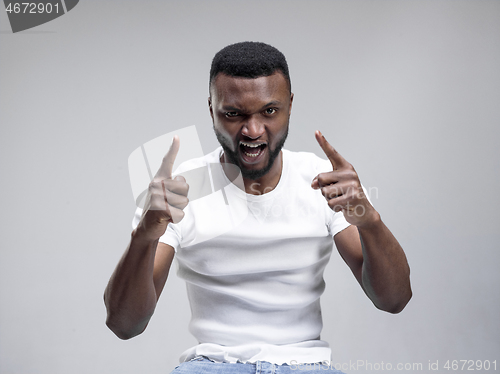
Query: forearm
[385, 272]
[130, 296]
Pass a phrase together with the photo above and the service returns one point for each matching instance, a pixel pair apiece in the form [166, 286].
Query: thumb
[315, 183]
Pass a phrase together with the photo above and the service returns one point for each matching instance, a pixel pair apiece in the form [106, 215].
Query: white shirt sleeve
[338, 221]
[171, 236]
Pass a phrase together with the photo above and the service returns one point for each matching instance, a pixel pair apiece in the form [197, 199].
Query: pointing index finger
[165, 170]
[335, 158]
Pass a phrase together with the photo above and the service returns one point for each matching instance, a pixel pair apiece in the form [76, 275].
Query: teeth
[254, 146]
[251, 145]
[253, 154]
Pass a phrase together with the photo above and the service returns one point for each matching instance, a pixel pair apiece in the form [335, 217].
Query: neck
[267, 182]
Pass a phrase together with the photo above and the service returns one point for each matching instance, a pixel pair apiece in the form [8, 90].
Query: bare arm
[136, 285]
[139, 278]
[374, 255]
[379, 264]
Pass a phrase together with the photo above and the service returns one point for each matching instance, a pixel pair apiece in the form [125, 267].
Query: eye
[270, 111]
[231, 114]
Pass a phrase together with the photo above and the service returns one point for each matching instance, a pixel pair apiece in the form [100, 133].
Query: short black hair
[249, 60]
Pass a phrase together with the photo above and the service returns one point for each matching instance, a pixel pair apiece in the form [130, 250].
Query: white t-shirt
[253, 264]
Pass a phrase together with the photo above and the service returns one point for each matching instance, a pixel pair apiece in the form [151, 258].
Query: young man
[255, 288]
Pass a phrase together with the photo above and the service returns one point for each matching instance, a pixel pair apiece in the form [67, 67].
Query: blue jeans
[202, 365]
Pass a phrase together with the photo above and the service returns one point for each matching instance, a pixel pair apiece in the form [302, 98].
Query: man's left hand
[342, 188]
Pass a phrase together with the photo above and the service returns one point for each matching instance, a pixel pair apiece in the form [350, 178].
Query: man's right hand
[166, 198]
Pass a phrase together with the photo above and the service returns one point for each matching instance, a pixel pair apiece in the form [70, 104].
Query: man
[254, 289]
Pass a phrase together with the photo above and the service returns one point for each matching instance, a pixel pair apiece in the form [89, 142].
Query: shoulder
[306, 163]
[210, 158]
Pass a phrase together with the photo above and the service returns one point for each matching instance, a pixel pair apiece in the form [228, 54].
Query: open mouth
[252, 150]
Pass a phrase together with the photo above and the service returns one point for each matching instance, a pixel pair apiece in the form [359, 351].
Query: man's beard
[233, 158]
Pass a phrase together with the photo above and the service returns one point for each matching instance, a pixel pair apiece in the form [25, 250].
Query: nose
[253, 128]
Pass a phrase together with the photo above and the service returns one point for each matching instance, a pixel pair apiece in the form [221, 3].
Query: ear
[210, 108]
[290, 109]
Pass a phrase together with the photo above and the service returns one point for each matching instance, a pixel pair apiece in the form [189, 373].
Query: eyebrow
[272, 103]
[269, 104]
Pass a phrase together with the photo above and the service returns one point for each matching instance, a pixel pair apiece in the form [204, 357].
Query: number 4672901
[32, 8]
[470, 365]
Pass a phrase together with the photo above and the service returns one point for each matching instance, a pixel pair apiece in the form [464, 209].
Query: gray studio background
[408, 92]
